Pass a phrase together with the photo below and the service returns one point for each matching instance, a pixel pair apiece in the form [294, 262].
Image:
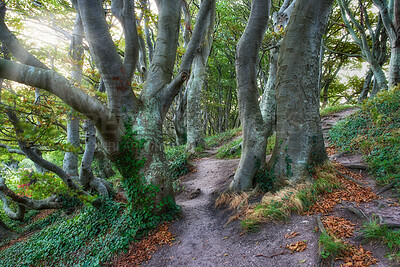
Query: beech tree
[195, 133]
[361, 32]
[390, 14]
[141, 114]
[299, 141]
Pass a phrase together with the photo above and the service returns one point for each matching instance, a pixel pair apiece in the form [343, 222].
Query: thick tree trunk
[394, 67]
[299, 141]
[254, 132]
[149, 128]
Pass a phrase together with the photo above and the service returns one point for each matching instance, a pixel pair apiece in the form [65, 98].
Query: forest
[199, 133]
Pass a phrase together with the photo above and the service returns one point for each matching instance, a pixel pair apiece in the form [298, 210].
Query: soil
[202, 237]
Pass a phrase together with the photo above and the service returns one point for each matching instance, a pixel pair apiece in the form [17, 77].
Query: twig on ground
[266, 256]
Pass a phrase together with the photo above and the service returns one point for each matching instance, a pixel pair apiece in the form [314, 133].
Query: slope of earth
[202, 237]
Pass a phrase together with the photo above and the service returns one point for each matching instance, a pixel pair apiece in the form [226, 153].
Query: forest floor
[201, 237]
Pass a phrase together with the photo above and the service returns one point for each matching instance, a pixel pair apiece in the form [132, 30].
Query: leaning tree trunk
[254, 130]
[299, 140]
[195, 133]
[379, 78]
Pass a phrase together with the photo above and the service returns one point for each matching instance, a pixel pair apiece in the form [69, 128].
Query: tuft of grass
[274, 207]
[332, 246]
[333, 109]
[234, 201]
[372, 230]
[280, 205]
[375, 131]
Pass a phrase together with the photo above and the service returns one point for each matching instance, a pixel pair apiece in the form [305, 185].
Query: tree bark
[195, 134]
[254, 132]
[70, 162]
[390, 14]
[299, 140]
[366, 86]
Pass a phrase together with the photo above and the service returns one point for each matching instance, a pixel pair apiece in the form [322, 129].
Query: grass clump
[373, 230]
[375, 131]
[332, 246]
[280, 205]
[333, 109]
[274, 207]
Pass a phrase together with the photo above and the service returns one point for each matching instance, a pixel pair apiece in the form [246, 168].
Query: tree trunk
[394, 67]
[254, 132]
[5, 232]
[179, 119]
[366, 86]
[195, 134]
[299, 141]
[379, 78]
[268, 101]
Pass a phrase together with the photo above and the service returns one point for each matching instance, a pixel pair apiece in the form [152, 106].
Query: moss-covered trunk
[299, 141]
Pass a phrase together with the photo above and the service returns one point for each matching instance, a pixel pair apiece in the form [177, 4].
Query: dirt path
[203, 239]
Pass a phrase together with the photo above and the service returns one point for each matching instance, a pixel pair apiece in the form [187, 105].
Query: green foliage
[332, 246]
[375, 131]
[333, 109]
[230, 150]
[372, 230]
[178, 160]
[94, 235]
[221, 138]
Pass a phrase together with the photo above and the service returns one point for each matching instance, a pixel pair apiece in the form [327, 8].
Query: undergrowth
[97, 233]
[233, 148]
[375, 131]
[331, 246]
[333, 109]
[221, 138]
[372, 230]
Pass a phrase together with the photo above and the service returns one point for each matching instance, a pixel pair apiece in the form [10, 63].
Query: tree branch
[194, 44]
[12, 150]
[106, 123]
[48, 203]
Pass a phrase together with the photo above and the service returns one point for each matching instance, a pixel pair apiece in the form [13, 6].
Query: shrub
[375, 131]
